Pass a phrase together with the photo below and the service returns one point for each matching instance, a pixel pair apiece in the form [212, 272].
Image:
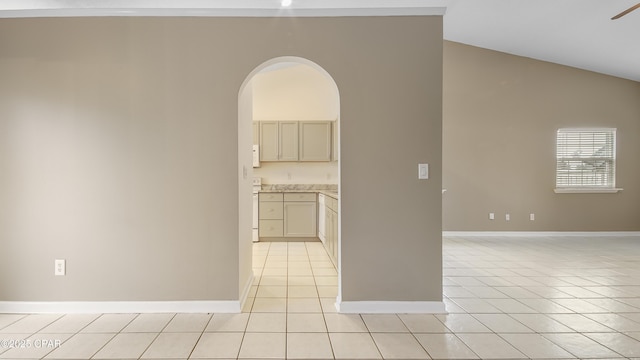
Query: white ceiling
[576, 33]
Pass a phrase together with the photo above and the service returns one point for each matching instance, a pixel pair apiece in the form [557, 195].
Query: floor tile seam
[611, 313]
[136, 315]
[6, 349]
[24, 317]
[145, 349]
[167, 324]
[515, 333]
[493, 333]
[53, 349]
[199, 338]
[544, 337]
[606, 346]
[113, 335]
[373, 340]
[427, 351]
[11, 323]
[60, 316]
[79, 332]
[465, 344]
[520, 301]
[588, 318]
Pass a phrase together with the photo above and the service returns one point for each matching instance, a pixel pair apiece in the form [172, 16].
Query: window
[586, 160]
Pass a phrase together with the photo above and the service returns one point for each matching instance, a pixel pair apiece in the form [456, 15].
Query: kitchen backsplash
[297, 172]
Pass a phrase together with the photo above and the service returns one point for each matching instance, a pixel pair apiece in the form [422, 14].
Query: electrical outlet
[492, 216]
[60, 267]
[532, 216]
[507, 217]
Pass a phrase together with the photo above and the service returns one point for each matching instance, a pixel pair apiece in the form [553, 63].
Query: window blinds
[585, 158]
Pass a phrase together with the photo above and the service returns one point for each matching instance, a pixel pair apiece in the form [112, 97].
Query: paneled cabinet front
[315, 141]
[331, 228]
[295, 140]
[278, 141]
[288, 145]
[269, 138]
[287, 215]
[300, 214]
[270, 215]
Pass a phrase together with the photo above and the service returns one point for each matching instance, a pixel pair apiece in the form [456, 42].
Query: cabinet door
[270, 228]
[300, 219]
[256, 133]
[315, 141]
[332, 239]
[327, 232]
[269, 141]
[288, 144]
[270, 210]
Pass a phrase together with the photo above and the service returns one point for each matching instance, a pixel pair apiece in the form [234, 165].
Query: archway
[247, 104]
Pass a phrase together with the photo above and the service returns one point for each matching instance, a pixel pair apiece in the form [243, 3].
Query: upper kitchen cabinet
[315, 140]
[288, 141]
[278, 140]
[269, 141]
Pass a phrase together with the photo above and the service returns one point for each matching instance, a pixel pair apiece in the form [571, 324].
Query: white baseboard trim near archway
[118, 307]
[391, 307]
[122, 307]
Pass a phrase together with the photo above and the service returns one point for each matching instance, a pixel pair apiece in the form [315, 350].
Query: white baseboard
[245, 292]
[121, 307]
[391, 307]
[115, 307]
[542, 233]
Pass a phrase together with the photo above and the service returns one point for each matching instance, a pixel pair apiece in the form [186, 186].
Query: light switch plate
[61, 267]
[423, 171]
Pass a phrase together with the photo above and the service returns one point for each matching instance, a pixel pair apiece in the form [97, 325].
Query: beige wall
[119, 152]
[501, 113]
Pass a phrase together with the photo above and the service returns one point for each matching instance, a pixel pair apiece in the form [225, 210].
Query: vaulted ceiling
[578, 33]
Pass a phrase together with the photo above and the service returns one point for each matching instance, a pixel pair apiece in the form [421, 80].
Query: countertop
[329, 190]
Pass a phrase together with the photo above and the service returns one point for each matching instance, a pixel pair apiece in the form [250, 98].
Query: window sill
[587, 190]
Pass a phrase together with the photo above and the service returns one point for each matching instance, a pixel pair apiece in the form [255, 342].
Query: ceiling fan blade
[626, 12]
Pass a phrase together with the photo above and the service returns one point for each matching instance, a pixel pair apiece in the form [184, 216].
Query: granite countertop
[327, 189]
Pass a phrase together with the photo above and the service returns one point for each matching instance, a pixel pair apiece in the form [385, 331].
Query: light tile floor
[516, 298]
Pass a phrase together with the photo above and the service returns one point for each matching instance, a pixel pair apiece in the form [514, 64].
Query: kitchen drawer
[331, 203]
[270, 210]
[271, 228]
[266, 196]
[300, 196]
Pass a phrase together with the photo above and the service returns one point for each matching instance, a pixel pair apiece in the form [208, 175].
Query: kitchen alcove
[283, 89]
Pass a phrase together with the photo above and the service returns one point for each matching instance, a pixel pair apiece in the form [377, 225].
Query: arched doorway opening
[284, 89]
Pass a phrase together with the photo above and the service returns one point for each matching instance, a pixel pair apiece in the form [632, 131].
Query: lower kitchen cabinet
[287, 215]
[270, 228]
[300, 219]
[270, 215]
[331, 229]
